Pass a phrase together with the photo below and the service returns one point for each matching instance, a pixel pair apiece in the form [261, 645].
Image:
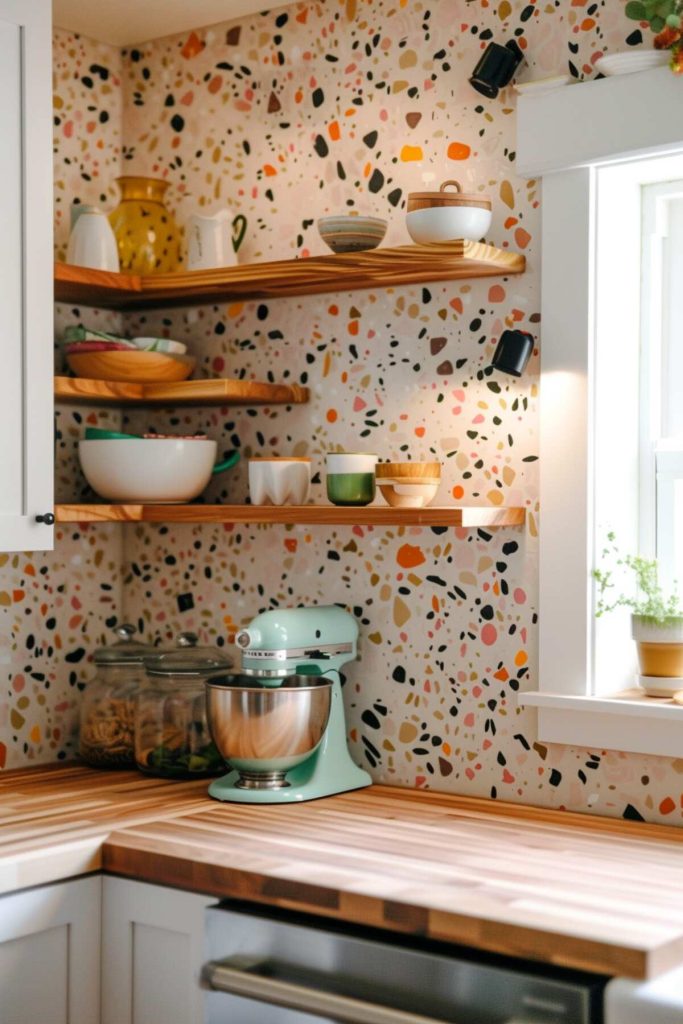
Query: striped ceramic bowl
[347, 233]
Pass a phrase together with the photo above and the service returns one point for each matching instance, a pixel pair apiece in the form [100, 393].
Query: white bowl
[631, 62]
[447, 223]
[279, 481]
[162, 470]
[540, 85]
[406, 492]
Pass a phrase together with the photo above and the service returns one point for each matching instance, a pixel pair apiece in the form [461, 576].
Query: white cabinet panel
[26, 331]
[153, 949]
[50, 954]
[34, 977]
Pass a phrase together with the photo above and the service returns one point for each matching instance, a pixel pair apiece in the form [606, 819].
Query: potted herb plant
[656, 618]
[665, 18]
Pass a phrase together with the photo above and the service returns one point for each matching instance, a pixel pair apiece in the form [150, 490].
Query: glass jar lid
[189, 658]
[126, 650]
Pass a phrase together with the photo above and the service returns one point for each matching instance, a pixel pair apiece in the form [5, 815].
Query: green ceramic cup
[350, 477]
[351, 488]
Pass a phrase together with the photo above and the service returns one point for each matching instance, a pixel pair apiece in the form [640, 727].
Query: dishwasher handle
[239, 975]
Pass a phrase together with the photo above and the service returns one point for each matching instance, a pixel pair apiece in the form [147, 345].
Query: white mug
[92, 242]
[213, 242]
[279, 481]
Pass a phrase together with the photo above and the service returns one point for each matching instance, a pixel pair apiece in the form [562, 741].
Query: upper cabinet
[26, 332]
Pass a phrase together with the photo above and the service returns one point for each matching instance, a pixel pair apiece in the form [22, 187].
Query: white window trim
[570, 135]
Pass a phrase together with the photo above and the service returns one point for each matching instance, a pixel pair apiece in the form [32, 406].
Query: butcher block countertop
[568, 889]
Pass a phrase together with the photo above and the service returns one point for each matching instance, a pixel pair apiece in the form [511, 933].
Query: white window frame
[661, 454]
[585, 140]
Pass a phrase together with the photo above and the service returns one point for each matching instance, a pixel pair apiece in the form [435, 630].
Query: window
[661, 404]
[611, 449]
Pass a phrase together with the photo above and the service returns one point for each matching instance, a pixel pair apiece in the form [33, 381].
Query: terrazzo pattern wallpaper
[317, 109]
[284, 117]
[56, 607]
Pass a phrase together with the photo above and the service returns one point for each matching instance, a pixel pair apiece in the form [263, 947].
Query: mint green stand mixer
[280, 722]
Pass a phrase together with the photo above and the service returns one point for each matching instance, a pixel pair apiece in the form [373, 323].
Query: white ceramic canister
[92, 242]
[279, 481]
[445, 216]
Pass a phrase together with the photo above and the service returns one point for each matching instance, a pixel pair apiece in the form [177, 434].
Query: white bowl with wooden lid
[446, 215]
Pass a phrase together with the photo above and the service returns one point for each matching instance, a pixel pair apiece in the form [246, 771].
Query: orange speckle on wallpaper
[34, 734]
[334, 132]
[458, 491]
[269, 170]
[522, 238]
[458, 151]
[332, 416]
[521, 658]
[496, 293]
[192, 46]
[667, 806]
[410, 153]
[291, 544]
[409, 556]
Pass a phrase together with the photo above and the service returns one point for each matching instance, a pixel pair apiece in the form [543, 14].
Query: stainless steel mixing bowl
[264, 731]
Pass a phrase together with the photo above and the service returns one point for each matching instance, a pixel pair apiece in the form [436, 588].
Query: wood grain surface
[54, 820]
[434, 866]
[222, 391]
[308, 515]
[378, 268]
[593, 893]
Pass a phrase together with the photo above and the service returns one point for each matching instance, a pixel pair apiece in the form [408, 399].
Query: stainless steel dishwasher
[279, 968]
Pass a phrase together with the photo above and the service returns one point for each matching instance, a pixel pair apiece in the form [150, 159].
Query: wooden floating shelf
[304, 515]
[224, 391]
[378, 268]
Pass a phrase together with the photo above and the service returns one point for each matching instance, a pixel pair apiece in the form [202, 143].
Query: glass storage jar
[172, 737]
[147, 236]
[107, 715]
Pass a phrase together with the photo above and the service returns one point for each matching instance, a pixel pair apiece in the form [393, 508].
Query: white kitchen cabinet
[50, 954]
[153, 948]
[26, 331]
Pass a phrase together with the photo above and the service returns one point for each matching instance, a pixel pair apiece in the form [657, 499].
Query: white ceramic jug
[92, 242]
[214, 241]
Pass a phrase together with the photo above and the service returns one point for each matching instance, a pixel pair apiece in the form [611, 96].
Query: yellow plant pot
[660, 659]
[147, 235]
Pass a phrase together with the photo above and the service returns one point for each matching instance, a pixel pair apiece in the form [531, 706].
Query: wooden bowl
[408, 470]
[150, 367]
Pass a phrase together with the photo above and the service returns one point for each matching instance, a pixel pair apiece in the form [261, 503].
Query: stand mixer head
[280, 724]
[297, 640]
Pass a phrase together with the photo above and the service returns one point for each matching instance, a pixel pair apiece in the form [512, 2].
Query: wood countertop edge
[492, 936]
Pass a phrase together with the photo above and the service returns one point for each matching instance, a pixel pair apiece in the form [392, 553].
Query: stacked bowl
[408, 484]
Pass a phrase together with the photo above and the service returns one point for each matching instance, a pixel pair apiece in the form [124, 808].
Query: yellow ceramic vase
[147, 235]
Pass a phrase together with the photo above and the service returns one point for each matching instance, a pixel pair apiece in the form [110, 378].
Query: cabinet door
[50, 954]
[153, 949]
[26, 331]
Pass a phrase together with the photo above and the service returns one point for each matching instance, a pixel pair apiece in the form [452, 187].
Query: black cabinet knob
[47, 518]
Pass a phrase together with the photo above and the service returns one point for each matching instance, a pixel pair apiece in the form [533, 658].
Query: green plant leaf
[636, 10]
[657, 23]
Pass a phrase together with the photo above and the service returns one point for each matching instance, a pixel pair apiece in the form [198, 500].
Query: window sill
[628, 721]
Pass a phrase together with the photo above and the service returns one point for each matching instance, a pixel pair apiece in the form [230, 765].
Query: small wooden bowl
[408, 470]
[150, 367]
